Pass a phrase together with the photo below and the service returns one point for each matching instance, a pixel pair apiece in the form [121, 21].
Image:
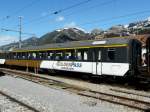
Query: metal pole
[20, 31]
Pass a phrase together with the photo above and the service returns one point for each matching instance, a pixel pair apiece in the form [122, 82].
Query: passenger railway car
[110, 56]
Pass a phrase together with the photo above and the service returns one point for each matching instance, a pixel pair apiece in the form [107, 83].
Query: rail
[19, 102]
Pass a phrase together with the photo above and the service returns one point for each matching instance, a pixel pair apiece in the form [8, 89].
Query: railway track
[8, 103]
[112, 98]
[129, 92]
[121, 100]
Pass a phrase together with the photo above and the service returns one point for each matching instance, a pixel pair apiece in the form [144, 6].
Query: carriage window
[7, 55]
[19, 55]
[41, 55]
[44, 55]
[49, 55]
[69, 54]
[111, 53]
[58, 55]
[82, 54]
[34, 55]
[79, 57]
[1, 55]
[15, 55]
[29, 55]
[23, 55]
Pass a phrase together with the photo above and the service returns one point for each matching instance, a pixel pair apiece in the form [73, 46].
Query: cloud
[70, 25]
[60, 18]
[6, 39]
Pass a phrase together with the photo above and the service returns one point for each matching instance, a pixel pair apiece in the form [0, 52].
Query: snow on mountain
[126, 26]
[148, 19]
[76, 29]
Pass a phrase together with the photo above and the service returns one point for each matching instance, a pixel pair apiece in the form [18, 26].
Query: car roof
[75, 44]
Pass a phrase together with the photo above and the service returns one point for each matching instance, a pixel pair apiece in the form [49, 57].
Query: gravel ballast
[55, 100]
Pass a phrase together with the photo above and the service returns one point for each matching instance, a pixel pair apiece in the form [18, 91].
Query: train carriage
[110, 56]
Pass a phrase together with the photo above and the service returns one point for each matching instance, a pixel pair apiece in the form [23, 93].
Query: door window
[111, 54]
[99, 55]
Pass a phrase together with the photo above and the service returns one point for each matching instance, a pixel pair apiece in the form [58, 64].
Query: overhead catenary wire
[58, 11]
[116, 17]
[18, 31]
[33, 2]
[94, 21]
[72, 6]
[93, 7]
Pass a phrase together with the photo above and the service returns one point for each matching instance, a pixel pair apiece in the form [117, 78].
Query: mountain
[33, 41]
[57, 36]
[64, 35]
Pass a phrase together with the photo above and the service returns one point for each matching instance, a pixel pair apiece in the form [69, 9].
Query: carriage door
[98, 62]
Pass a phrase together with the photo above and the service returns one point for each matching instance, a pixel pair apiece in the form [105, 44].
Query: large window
[82, 54]
[111, 54]
[2, 55]
[69, 54]
[19, 55]
[40, 55]
[58, 55]
[49, 55]
[22, 55]
[46, 55]
[14, 55]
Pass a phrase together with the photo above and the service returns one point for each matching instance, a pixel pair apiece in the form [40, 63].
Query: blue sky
[93, 14]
